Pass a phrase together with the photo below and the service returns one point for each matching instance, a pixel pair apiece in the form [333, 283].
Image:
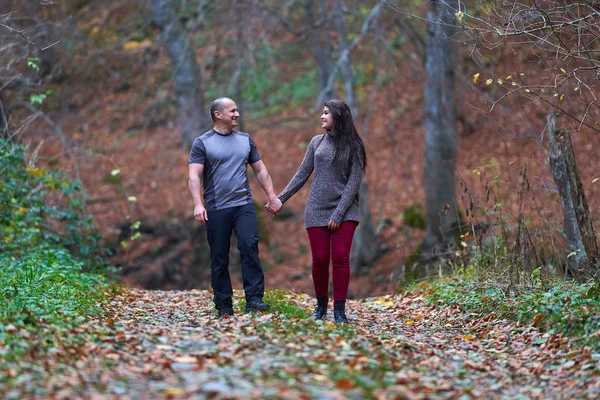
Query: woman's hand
[333, 225]
[274, 206]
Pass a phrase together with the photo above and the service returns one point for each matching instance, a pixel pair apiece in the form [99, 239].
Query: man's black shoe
[224, 309]
[339, 312]
[256, 304]
[321, 308]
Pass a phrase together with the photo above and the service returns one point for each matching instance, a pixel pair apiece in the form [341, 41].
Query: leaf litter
[169, 344]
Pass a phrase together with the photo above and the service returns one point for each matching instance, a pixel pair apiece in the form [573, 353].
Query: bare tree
[193, 117]
[577, 224]
[440, 130]
[555, 44]
[312, 30]
[560, 37]
[365, 248]
[24, 41]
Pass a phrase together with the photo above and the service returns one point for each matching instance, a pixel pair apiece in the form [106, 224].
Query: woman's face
[326, 119]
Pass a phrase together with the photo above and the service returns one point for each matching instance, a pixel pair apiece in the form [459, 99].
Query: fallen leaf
[186, 359]
[344, 384]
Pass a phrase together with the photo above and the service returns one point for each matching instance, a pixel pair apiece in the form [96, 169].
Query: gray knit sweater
[332, 195]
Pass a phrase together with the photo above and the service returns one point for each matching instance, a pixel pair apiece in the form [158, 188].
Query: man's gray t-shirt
[225, 159]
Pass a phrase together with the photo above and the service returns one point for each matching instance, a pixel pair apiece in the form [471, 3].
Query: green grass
[281, 304]
[53, 280]
[567, 308]
[43, 294]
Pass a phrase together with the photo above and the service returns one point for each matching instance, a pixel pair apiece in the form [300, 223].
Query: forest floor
[169, 344]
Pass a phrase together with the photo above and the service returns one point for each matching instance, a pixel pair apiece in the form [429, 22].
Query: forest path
[169, 344]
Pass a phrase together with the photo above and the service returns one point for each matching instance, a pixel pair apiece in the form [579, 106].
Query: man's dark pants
[241, 220]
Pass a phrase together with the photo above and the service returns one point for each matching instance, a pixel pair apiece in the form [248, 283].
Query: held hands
[200, 214]
[274, 206]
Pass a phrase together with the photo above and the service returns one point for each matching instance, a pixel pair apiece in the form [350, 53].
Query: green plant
[280, 303]
[43, 209]
[565, 308]
[52, 269]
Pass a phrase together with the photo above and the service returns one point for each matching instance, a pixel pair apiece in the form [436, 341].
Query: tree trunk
[320, 54]
[365, 248]
[440, 133]
[4, 125]
[577, 221]
[194, 119]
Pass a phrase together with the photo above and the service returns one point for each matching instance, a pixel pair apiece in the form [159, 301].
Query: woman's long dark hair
[346, 140]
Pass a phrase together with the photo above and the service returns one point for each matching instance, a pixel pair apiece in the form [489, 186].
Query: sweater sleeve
[350, 191]
[302, 175]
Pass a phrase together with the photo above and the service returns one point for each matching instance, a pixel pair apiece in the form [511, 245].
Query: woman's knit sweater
[333, 192]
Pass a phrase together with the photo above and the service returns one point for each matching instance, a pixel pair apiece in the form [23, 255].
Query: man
[220, 157]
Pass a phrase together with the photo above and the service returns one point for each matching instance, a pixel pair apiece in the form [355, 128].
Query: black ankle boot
[321, 309]
[339, 312]
[224, 309]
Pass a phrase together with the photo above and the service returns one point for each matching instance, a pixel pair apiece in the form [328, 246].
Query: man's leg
[218, 231]
[245, 225]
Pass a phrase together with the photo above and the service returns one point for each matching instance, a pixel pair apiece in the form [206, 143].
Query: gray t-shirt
[225, 159]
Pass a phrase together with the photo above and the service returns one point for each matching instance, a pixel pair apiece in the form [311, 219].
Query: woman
[338, 159]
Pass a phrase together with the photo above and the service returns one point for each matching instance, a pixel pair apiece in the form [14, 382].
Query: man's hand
[274, 206]
[200, 214]
[333, 225]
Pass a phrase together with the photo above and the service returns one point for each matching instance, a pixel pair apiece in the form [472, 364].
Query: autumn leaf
[344, 384]
[186, 360]
[475, 77]
[174, 391]
[135, 45]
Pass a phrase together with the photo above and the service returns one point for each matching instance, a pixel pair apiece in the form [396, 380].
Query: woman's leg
[319, 238]
[341, 241]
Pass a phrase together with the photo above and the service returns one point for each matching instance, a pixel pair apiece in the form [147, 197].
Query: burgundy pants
[326, 244]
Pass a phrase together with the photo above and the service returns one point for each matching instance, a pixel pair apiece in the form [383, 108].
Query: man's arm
[274, 204]
[195, 186]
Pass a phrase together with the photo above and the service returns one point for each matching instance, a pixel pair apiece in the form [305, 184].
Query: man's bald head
[218, 105]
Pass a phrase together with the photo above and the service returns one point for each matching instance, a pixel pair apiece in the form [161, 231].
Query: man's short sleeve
[254, 156]
[198, 152]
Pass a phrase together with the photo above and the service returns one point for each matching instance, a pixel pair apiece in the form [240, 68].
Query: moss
[112, 179]
[414, 216]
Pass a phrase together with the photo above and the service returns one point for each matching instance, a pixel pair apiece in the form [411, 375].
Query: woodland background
[122, 87]
[475, 267]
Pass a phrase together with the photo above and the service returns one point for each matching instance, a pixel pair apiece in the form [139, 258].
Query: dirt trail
[170, 345]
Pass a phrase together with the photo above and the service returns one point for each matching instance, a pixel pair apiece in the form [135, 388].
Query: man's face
[326, 119]
[229, 115]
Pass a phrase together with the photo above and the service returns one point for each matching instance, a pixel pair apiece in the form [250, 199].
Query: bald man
[218, 163]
